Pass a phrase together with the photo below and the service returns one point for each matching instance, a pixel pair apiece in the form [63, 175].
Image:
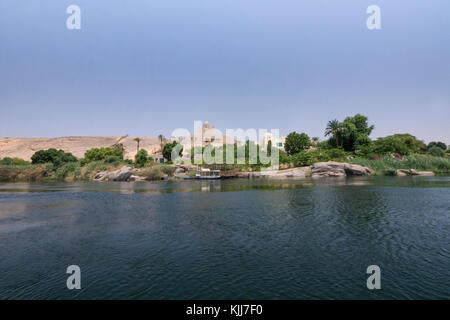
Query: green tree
[167, 150]
[98, 154]
[355, 132]
[403, 144]
[141, 158]
[334, 128]
[296, 142]
[56, 157]
[438, 144]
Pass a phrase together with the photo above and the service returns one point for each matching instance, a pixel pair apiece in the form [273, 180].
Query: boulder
[327, 169]
[135, 178]
[356, 170]
[337, 169]
[295, 173]
[180, 170]
[412, 172]
[123, 174]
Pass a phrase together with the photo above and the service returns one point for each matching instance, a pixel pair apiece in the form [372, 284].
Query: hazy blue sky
[144, 67]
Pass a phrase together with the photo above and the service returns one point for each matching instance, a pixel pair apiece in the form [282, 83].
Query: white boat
[205, 173]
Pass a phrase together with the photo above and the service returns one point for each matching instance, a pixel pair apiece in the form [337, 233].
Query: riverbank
[125, 171]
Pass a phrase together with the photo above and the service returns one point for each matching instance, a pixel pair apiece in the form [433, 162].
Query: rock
[327, 169]
[179, 170]
[426, 173]
[356, 170]
[101, 176]
[135, 178]
[123, 174]
[295, 173]
[337, 169]
[412, 172]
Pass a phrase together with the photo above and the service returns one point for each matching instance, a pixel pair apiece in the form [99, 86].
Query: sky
[147, 67]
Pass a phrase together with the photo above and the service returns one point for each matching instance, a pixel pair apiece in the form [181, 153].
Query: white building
[276, 142]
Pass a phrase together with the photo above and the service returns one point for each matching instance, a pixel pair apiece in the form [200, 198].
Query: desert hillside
[24, 148]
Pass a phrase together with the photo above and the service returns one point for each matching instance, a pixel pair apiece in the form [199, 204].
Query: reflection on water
[223, 185]
[229, 239]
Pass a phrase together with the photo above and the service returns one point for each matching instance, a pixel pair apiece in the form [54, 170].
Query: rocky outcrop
[412, 172]
[295, 173]
[123, 174]
[337, 169]
[134, 178]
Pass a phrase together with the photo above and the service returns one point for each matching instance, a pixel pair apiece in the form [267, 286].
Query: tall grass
[157, 172]
[389, 165]
[24, 173]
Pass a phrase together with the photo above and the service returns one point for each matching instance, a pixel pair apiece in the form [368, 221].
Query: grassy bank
[388, 165]
[76, 171]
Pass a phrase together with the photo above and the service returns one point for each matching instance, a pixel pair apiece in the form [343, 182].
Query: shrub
[302, 158]
[141, 158]
[13, 162]
[438, 144]
[168, 148]
[436, 151]
[284, 158]
[296, 142]
[403, 144]
[336, 154]
[98, 154]
[70, 170]
[113, 159]
[53, 156]
[90, 169]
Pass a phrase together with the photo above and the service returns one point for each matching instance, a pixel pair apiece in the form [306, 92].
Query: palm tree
[161, 138]
[137, 140]
[333, 128]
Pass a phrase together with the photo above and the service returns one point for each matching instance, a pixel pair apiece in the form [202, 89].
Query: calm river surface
[230, 239]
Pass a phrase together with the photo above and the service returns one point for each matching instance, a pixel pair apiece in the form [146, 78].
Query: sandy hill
[24, 148]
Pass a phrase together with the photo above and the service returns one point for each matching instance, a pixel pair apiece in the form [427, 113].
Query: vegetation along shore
[348, 142]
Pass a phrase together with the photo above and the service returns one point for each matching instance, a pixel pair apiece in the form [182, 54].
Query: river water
[229, 239]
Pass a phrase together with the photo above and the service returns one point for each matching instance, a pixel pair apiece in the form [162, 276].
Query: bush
[302, 158]
[113, 159]
[438, 144]
[13, 162]
[403, 144]
[141, 158]
[167, 150]
[90, 169]
[336, 154]
[70, 170]
[436, 151]
[284, 158]
[53, 156]
[98, 154]
[296, 142]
